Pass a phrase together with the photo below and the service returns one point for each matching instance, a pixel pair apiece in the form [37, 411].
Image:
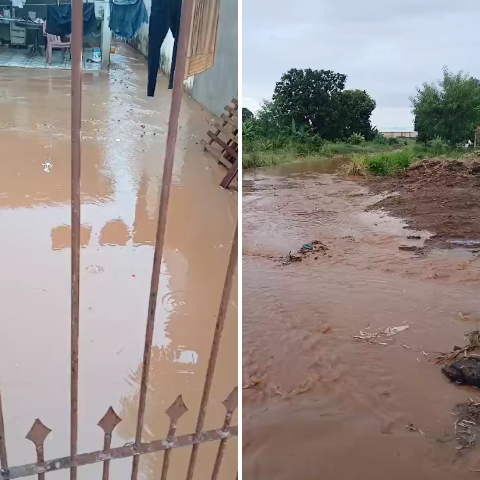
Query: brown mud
[442, 196]
[123, 145]
[317, 402]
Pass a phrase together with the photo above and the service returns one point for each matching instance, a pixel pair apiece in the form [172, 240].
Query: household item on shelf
[96, 55]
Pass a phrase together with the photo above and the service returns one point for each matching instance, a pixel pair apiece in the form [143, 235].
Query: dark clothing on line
[59, 19]
[165, 15]
[126, 18]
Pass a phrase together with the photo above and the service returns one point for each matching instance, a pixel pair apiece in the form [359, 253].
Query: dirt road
[124, 135]
[318, 403]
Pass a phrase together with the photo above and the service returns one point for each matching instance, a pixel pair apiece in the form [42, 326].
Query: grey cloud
[384, 47]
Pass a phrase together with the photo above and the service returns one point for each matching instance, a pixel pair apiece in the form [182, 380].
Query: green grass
[393, 163]
[268, 153]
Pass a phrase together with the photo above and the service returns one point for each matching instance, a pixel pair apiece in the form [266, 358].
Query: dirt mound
[442, 167]
[438, 195]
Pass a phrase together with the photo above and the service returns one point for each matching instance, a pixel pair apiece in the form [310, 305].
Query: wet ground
[124, 135]
[318, 403]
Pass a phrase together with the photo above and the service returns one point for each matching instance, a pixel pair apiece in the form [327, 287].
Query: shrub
[356, 139]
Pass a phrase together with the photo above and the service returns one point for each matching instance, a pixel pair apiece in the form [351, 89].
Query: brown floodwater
[124, 135]
[318, 403]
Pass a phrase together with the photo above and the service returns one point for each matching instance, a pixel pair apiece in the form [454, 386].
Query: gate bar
[76, 84]
[127, 450]
[183, 40]
[3, 442]
[232, 263]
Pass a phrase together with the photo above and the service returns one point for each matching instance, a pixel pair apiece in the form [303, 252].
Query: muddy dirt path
[315, 396]
[124, 135]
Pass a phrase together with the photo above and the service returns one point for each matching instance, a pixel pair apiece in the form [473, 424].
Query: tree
[449, 109]
[246, 114]
[317, 100]
[354, 108]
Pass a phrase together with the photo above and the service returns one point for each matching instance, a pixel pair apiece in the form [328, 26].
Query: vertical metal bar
[232, 263]
[3, 442]
[183, 38]
[37, 435]
[175, 411]
[230, 404]
[108, 423]
[76, 84]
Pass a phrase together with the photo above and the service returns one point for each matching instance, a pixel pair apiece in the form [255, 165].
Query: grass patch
[392, 163]
[267, 153]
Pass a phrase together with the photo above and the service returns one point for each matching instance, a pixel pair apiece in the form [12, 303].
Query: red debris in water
[143, 126]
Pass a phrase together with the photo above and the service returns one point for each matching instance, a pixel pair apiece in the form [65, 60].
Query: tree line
[315, 103]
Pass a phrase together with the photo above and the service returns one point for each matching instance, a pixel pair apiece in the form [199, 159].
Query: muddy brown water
[318, 403]
[121, 175]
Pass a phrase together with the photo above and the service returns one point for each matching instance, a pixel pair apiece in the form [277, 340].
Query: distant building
[399, 134]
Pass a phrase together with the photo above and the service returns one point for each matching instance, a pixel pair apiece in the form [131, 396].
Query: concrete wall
[400, 134]
[217, 86]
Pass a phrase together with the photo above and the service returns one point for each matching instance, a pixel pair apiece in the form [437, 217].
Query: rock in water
[464, 372]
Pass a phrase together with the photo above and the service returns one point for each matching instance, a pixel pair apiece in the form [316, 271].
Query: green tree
[317, 100]
[246, 114]
[448, 109]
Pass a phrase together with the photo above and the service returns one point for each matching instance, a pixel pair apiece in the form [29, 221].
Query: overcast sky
[385, 47]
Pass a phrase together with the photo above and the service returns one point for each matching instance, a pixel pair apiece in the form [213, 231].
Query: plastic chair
[54, 41]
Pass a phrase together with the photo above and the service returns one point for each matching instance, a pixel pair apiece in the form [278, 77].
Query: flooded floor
[124, 136]
[313, 395]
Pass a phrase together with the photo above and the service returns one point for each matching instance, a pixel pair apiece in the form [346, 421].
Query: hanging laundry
[18, 3]
[203, 37]
[59, 19]
[126, 17]
[164, 16]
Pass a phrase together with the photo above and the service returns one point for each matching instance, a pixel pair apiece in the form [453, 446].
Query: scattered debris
[95, 269]
[473, 339]
[412, 428]
[467, 424]
[408, 248]
[414, 237]
[315, 246]
[252, 382]
[464, 372]
[374, 337]
[47, 165]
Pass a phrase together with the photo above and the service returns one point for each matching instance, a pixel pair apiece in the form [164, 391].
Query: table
[32, 26]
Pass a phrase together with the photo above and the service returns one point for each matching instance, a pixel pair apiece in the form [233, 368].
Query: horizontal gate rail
[119, 452]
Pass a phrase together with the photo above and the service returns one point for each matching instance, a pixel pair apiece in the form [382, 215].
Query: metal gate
[39, 432]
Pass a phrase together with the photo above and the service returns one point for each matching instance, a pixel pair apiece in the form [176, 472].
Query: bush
[393, 141]
[379, 139]
[356, 139]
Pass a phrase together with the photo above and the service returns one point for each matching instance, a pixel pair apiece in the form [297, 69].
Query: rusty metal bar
[3, 443]
[108, 423]
[230, 403]
[76, 84]
[183, 39]
[232, 263]
[126, 451]
[175, 411]
[37, 435]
